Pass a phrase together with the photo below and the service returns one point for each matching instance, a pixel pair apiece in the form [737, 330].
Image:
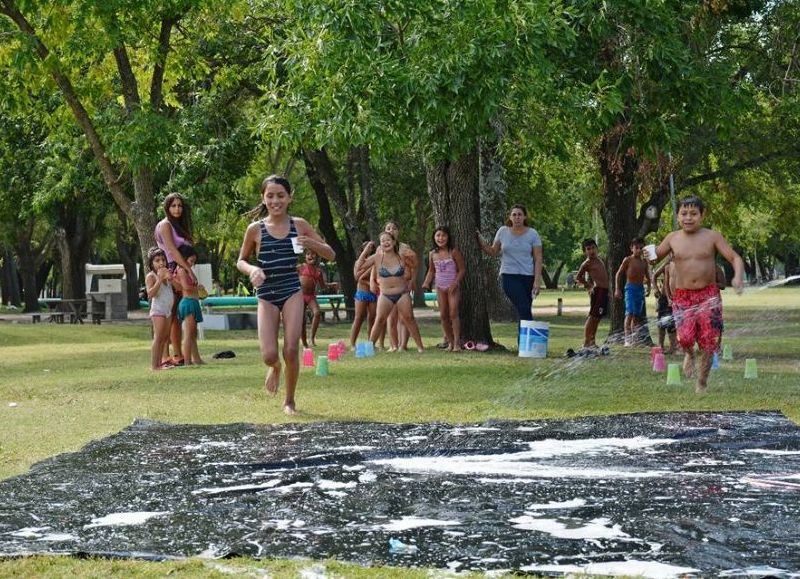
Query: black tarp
[656, 494]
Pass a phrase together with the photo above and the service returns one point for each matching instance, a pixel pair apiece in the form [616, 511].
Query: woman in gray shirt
[520, 250]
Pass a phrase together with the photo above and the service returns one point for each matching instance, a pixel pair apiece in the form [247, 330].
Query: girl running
[277, 282]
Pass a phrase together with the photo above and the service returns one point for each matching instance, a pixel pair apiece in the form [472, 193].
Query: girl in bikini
[392, 278]
[446, 263]
[277, 282]
[311, 278]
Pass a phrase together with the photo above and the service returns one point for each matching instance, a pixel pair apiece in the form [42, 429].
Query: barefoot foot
[289, 409]
[700, 387]
[688, 365]
[273, 379]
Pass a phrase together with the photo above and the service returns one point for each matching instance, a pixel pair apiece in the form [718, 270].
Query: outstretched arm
[493, 249]
[426, 284]
[249, 246]
[580, 277]
[623, 267]
[734, 259]
[310, 239]
[537, 268]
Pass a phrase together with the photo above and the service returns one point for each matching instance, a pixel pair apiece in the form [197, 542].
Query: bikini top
[383, 272]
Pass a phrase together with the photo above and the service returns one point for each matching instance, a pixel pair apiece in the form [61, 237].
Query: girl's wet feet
[289, 409]
[273, 379]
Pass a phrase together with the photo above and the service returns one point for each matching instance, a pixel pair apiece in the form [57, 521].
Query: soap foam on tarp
[652, 494]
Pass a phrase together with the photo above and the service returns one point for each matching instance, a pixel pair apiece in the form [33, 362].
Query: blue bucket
[533, 337]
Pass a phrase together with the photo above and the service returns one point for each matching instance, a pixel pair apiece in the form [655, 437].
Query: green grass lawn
[73, 384]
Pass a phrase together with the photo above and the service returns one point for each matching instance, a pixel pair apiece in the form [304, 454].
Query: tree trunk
[453, 189]
[127, 249]
[492, 191]
[324, 189]
[618, 170]
[423, 217]
[74, 238]
[28, 260]
[9, 283]
[368, 209]
[792, 263]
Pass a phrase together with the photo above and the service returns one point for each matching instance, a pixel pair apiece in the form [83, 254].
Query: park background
[434, 113]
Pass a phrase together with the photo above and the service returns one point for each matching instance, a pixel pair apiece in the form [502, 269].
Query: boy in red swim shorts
[696, 302]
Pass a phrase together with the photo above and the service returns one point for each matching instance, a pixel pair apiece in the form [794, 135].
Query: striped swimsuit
[279, 262]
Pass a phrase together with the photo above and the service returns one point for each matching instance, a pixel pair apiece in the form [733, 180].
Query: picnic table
[58, 308]
[335, 301]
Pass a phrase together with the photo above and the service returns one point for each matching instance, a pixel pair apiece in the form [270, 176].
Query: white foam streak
[406, 523]
[775, 452]
[594, 529]
[125, 519]
[574, 503]
[211, 491]
[518, 464]
[632, 568]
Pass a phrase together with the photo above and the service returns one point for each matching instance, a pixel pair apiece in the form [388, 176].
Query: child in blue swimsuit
[366, 301]
[276, 281]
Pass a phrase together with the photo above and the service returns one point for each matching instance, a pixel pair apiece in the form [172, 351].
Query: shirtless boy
[696, 302]
[637, 272]
[597, 286]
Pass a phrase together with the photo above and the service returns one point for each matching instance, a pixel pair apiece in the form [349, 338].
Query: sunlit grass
[73, 384]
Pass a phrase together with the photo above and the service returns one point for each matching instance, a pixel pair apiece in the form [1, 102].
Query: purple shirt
[176, 238]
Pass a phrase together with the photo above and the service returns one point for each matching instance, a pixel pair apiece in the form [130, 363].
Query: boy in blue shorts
[636, 271]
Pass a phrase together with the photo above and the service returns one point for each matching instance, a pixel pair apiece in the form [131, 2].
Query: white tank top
[162, 302]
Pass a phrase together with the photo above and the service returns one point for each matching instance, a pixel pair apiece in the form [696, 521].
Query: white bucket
[533, 338]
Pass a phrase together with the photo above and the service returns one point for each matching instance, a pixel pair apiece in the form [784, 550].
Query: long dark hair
[524, 212]
[261, 211]
[182, 226]
[446, 231]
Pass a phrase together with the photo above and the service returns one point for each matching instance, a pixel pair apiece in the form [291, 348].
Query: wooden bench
[334, 302]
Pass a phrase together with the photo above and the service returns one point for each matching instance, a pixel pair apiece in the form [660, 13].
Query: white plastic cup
[650, 252]
[298, 249]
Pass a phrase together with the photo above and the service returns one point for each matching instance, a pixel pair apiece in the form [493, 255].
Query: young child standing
[310, 279]
[189, 312]
[666, 321]
[366, 301]
[598, 291]
[636, 272]
[446, 263]
[160, 293]
[696, 301]
[277, 282]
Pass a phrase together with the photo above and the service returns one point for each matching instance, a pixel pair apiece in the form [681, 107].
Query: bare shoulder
[253, 228]
[302, 226]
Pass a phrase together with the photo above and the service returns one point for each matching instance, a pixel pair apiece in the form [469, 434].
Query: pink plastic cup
[659, 363]
[308, 357]
[333, 352]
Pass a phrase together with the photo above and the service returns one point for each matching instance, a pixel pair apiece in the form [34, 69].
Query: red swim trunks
[698, 315]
